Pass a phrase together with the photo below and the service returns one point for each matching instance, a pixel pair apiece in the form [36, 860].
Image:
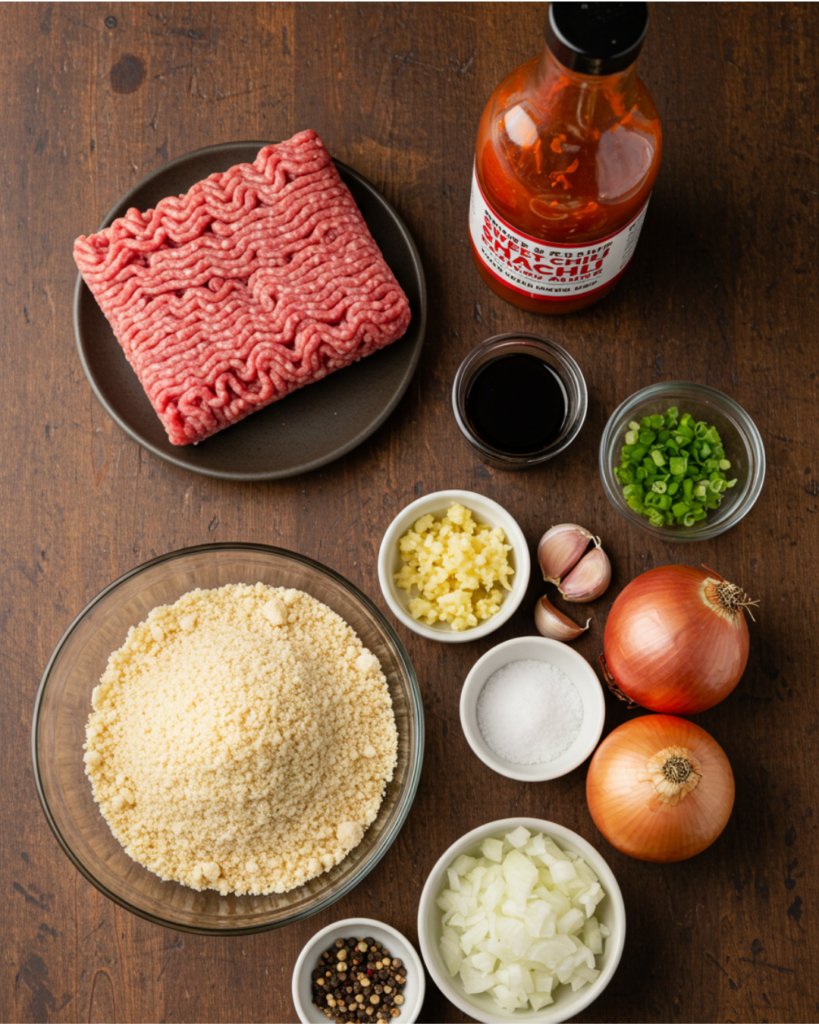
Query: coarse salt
[529, 712]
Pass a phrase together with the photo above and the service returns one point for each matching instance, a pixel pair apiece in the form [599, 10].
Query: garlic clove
[560, 548]
[554, 624]
[589, 578]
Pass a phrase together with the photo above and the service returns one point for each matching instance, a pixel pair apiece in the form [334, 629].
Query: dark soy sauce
[516, 404]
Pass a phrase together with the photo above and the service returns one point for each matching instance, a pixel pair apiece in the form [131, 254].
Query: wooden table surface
[722, 290]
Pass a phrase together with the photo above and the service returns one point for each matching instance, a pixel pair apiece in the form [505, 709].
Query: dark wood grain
[722, 290]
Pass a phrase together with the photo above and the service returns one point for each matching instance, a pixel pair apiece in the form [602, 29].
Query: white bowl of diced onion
[486, 513]
[550, 890]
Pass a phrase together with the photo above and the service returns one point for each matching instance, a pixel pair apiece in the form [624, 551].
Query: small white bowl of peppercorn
[358, 970]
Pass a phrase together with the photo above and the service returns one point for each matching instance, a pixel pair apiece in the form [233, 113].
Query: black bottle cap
[596, 39]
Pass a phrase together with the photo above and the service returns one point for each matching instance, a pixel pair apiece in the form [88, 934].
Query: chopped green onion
[673, 468]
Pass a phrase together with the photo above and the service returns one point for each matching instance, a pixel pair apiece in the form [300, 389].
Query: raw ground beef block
[260, 280]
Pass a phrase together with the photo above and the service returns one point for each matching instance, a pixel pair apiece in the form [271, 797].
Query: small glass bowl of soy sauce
[519, 399]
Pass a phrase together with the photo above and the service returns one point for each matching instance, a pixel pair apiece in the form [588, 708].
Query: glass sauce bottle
[569, 146]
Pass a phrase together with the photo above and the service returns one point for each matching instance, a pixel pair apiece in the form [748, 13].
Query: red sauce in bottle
[565, 164]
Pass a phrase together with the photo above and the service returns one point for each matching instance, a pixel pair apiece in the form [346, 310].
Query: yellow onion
[676, 640]
[660, 788]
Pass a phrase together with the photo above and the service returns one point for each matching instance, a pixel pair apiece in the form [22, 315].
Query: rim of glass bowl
[411, 783]
[733, 411]
[570, 374]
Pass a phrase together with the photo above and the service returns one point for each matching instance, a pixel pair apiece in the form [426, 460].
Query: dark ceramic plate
[307, 429]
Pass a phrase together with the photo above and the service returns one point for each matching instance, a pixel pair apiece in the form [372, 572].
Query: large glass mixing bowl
[64, 703]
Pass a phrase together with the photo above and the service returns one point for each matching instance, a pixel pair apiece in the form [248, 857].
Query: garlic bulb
[560, 548]
[589, 578]
[554, 624]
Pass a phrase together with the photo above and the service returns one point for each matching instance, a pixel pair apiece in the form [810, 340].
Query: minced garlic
[241, 740]
[455, 564]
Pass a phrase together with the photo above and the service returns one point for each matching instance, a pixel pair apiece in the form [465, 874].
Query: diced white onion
[519, 837]
[492, 849]
[519, 920]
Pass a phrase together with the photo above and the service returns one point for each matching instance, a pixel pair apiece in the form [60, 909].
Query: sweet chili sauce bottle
[568, 149]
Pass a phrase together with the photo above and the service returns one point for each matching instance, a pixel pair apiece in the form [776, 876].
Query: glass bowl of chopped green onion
[682, 461]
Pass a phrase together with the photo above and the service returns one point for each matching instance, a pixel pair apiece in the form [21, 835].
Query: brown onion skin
[664, 613]
[626, 809]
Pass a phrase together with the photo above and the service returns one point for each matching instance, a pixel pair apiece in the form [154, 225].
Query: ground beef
[258, 281]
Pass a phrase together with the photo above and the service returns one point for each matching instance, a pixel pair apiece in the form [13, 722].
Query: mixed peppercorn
[358, 980]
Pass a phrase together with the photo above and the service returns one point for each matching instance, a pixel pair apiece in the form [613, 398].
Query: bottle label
[534, 267]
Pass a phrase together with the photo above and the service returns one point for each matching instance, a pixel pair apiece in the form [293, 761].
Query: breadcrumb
[241, 740]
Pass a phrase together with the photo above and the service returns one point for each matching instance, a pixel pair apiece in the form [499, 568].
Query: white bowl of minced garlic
[453, 566]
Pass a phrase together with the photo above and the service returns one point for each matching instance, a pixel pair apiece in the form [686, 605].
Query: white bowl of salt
[532, 709]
